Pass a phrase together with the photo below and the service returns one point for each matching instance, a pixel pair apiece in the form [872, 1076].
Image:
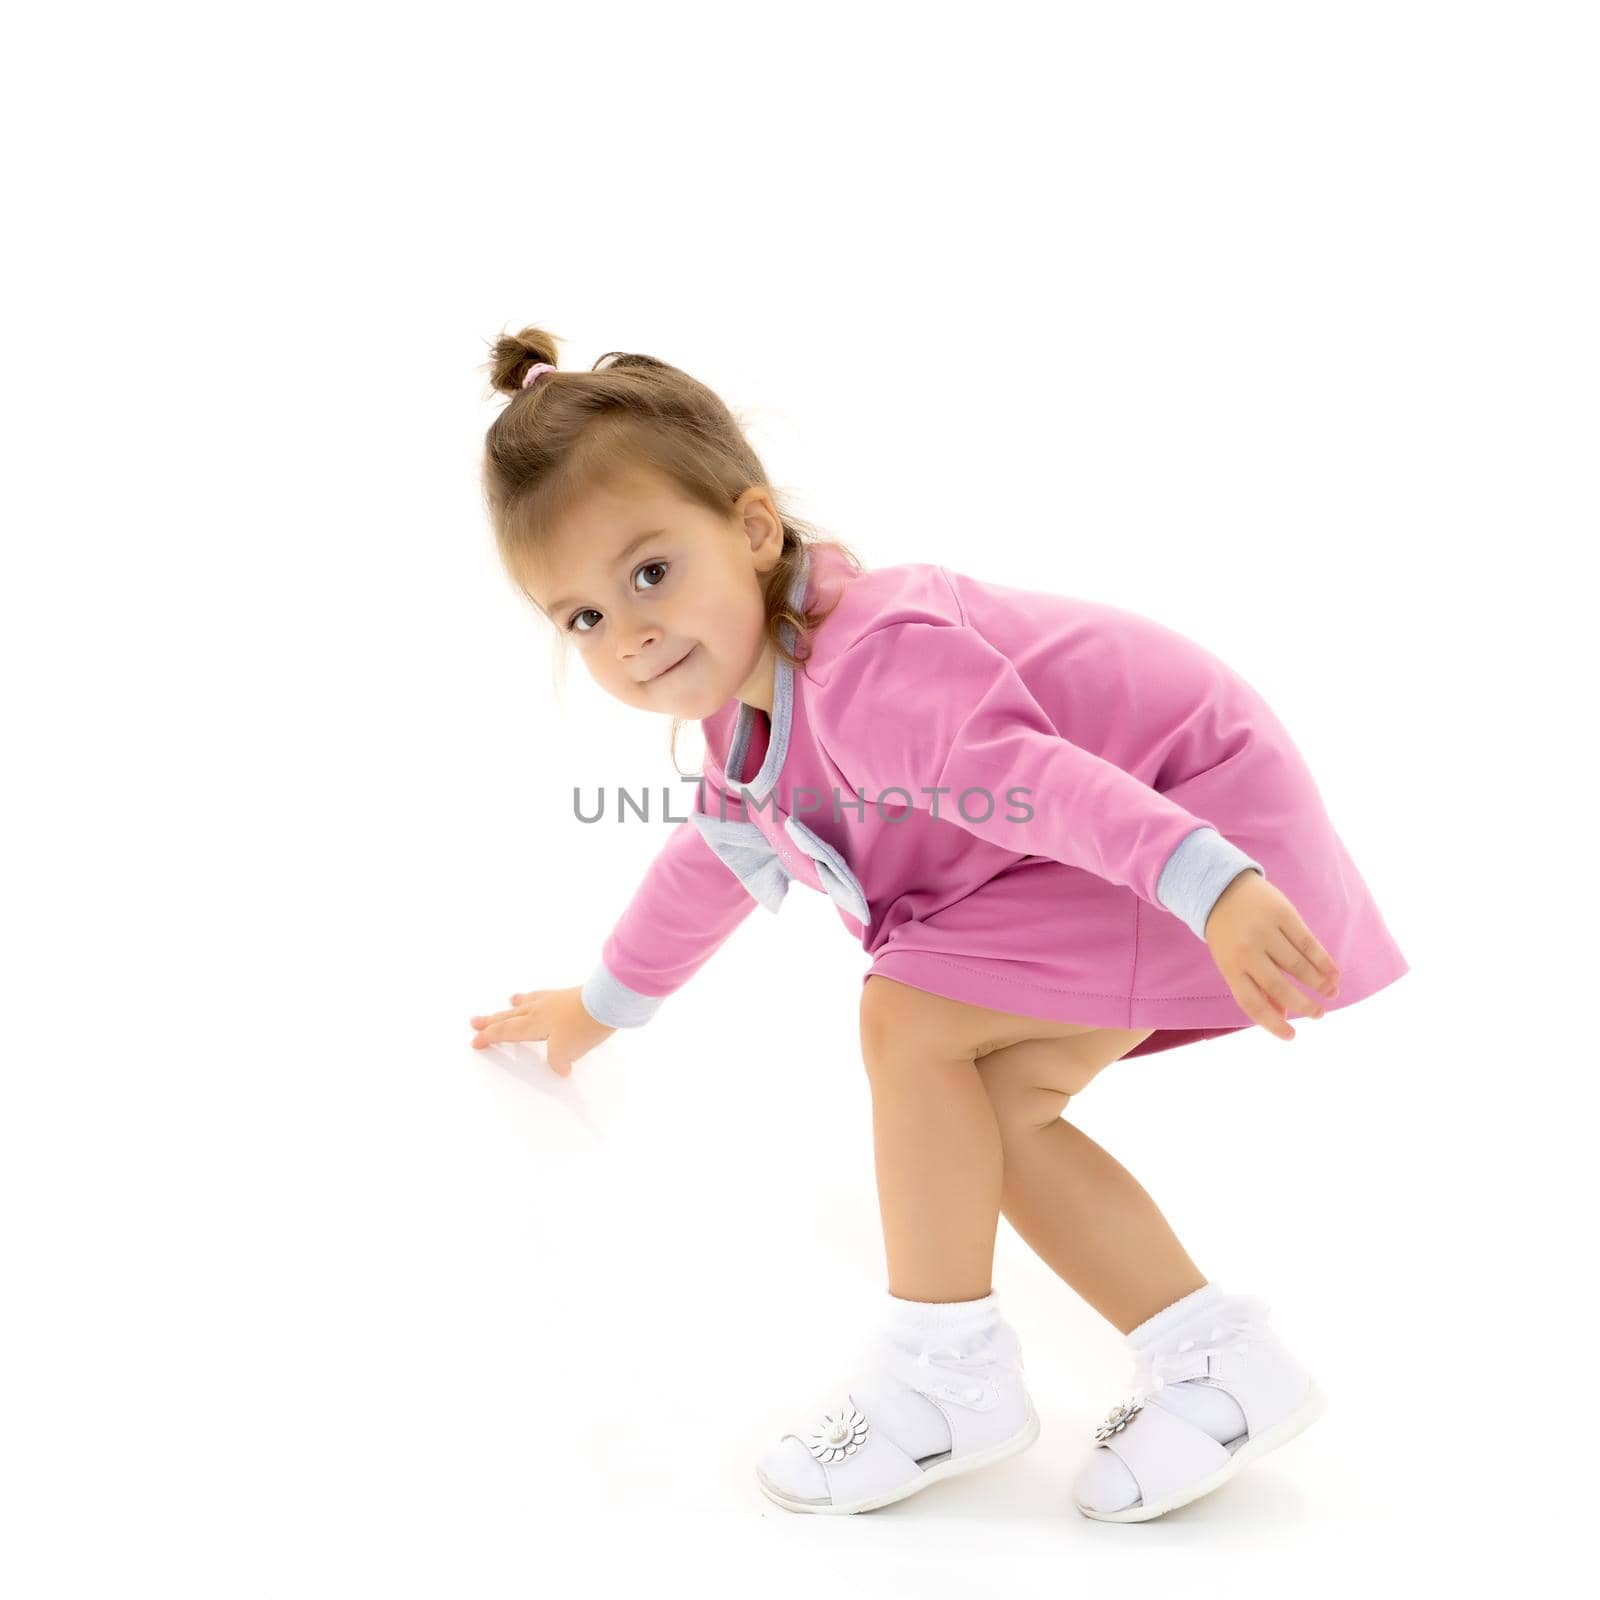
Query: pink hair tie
[535, 372]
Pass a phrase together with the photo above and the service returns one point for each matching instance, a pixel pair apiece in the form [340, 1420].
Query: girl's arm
[923, 706]
[687, 904]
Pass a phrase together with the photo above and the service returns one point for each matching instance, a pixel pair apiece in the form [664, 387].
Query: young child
[1064, 834]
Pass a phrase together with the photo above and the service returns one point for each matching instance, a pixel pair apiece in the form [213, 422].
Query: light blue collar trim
[760, 786]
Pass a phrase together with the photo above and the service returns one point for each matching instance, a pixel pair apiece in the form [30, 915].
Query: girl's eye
[589, 611]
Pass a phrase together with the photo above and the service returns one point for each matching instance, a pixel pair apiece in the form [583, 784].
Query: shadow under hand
[528, 1066]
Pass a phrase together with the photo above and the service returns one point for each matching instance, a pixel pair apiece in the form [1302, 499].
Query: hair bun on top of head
[515, 356]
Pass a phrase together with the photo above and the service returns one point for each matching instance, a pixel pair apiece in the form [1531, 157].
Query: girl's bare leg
[940, 1147]
[1078, 1208]
[966, 1117]
[936, 1143]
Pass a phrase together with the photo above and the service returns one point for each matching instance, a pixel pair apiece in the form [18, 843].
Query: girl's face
[661, 597]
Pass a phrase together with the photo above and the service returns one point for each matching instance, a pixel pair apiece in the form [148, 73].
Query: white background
[1273, 322]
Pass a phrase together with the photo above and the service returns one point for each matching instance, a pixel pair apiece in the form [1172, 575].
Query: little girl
[1064, 834]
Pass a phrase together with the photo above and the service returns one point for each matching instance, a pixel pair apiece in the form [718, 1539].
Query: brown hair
[576, 431]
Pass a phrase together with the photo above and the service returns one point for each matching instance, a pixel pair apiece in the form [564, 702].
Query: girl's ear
[762, 526]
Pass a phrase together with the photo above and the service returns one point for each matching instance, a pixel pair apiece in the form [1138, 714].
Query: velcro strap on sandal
[1165, 1452]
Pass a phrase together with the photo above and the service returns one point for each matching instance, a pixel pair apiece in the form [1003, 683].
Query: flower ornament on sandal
[1118, 1418]
[839, 1436]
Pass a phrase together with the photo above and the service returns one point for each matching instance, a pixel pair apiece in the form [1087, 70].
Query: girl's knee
[1030, 1082]
[1022, 1109]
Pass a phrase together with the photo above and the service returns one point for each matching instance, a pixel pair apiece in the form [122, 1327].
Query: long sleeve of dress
[686, 906]
[933, 711]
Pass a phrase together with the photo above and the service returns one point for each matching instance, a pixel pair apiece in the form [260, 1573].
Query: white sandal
[1173, 1460]
[857, 1455]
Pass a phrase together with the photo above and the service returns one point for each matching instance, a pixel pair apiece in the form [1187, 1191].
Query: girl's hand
[1256, 939]
[556, 1016]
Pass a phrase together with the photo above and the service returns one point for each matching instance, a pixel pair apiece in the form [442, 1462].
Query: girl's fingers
[1326, 968]
[1282, 962]
[1283, 994]
[512, 1028]
[1297, 965]
[499, 1016]
[493, 1016]
[1258, 1006]
[521, 1020]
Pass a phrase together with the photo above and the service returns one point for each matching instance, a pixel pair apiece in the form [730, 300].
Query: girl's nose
[639, 641]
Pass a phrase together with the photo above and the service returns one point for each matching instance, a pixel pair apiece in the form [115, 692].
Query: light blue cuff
[1197, 872]
[609, 1000]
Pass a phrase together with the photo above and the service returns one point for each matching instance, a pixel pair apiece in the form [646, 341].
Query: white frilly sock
[1106, 1482]
[1200, 1403]
[957, 1319]
[918, 1422]
[1191, 1305]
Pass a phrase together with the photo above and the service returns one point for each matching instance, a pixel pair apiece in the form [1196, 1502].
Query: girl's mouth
[676, 664]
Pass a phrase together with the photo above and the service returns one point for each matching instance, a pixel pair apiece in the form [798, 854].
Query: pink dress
[1016, 799]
